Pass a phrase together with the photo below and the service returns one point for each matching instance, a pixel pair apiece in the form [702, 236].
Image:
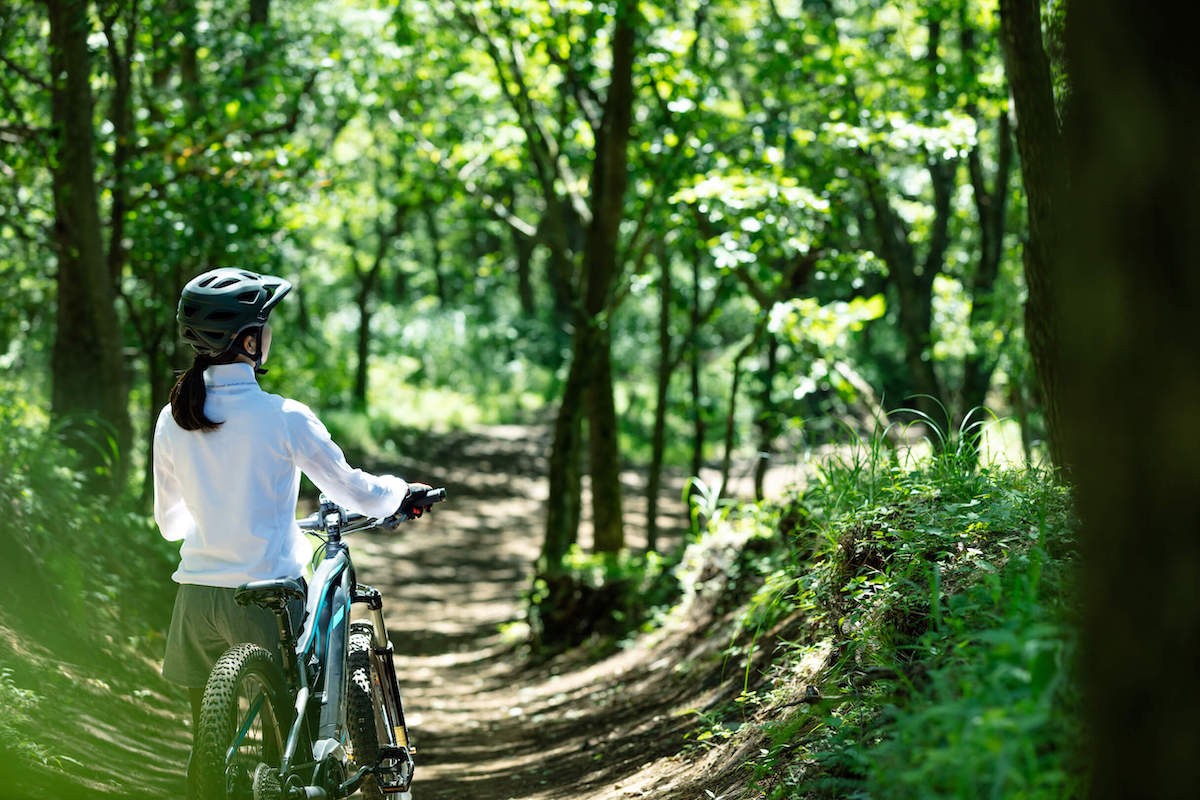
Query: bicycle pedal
[392, 752]
[395, 770]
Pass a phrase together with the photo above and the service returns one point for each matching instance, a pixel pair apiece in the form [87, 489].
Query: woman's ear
[250, 344]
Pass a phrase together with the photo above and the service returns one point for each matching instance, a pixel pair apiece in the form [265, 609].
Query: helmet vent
[248, 297]
[220, 316]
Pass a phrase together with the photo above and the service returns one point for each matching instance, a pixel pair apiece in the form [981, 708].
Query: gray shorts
[206, 622]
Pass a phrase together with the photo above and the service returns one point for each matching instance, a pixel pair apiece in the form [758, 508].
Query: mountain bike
[322, 718]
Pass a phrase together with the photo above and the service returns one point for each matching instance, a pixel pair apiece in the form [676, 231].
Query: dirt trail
[487, 725]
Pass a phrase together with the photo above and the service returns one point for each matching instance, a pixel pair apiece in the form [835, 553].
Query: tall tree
[992, 203]
[88, 374]
[1039, 143]
[590, 381]
[913, 273]
[610, 176]
[573, 107]
[367, 265]
[1128, 291]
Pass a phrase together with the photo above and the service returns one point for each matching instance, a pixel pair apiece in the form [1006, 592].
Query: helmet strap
[256, 356]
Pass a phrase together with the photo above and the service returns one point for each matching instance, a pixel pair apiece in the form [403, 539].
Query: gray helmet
[217, 306]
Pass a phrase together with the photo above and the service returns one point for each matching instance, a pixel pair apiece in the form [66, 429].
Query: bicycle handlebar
[346, 522]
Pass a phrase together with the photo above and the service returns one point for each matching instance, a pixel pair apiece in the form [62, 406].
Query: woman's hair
[189, 392]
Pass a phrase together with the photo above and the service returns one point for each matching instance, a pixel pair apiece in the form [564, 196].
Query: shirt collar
[235, 374]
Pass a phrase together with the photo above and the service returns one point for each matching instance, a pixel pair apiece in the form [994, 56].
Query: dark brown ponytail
[188, 395]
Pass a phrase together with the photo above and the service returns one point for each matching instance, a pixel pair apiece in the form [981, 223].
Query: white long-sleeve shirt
[230, 494]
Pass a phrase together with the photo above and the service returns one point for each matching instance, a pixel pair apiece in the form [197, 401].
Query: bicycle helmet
[222, 303]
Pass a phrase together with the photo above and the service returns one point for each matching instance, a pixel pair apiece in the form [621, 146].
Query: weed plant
[938, 598]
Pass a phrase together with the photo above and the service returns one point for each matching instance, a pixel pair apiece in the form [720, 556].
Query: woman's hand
[413, 504]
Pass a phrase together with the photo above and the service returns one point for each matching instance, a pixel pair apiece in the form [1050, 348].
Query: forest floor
[487, 722]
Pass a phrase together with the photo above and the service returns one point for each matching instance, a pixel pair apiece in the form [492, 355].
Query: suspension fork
[381, 652]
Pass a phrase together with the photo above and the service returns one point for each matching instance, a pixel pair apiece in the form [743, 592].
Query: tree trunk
[991, 209]
[150, 329]
[563, 506]
[699, 426]
[121, 116]
[367, 281]
[554, 233]
[731, 414]
[1129, 294]
[658, 439]
[258, 15]
[523, 255]
[362, 352]
[610, 175]
[88, 374]
[1040, 147]
[768, 419]
[189, 58]
[604, 452]
[913, 277]
[914, 289]
[429, 210]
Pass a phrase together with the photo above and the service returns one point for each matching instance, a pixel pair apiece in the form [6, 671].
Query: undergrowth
[908, 631]
[599, 600]
[84, 579]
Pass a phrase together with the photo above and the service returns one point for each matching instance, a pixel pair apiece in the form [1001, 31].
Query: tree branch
[585, 96]
[29, 77]
[293, 118]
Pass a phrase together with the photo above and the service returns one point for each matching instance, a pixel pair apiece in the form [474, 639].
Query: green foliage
[706, 507]
[423, 170]
[929, 607]
[85, 593]
[16, 704]
[80, 557]
[711, 731]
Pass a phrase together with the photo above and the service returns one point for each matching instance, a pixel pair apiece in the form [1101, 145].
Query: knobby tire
[244, 676]
[363, 707]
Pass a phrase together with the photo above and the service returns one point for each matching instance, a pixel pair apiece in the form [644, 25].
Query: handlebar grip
[418, 501]
[423, 497]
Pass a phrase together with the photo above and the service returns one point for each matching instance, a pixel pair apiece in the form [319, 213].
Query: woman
[227, 464]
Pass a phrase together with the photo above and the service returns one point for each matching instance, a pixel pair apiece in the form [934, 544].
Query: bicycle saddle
[268, 594]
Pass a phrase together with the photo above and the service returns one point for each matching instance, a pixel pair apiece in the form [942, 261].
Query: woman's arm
[319, 457]
[173, 518]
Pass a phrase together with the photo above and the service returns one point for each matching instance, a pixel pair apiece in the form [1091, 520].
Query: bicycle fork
[395, 752]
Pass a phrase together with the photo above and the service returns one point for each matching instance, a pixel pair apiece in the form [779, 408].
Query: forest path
[486, 724]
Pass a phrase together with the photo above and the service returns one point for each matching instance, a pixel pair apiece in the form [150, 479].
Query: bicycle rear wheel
[243, 723]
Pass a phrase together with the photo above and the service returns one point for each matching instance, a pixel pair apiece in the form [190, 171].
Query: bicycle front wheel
[243, 723]
[363, 707]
